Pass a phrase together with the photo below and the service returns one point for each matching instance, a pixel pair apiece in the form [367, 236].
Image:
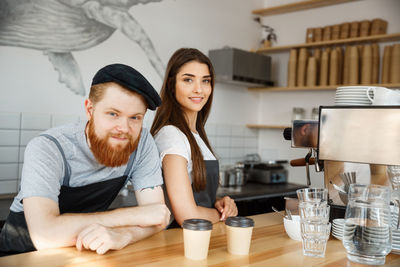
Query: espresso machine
[350, 144]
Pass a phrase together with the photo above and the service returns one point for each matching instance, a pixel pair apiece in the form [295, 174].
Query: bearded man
[72, 173]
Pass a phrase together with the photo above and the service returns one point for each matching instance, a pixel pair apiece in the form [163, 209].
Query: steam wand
[307, 160]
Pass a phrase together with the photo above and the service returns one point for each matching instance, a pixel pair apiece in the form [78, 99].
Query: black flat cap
[129, 78]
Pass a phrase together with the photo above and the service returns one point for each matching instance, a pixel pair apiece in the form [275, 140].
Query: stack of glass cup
[314, 220]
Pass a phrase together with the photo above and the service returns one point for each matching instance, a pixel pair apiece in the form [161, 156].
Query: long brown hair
[170, 112]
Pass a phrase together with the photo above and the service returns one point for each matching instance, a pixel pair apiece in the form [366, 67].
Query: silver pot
[224, 176]
[233, 175]
[240, 174]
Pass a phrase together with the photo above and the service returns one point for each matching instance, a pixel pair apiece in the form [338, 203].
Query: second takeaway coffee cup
[238, 231]
[196, 238]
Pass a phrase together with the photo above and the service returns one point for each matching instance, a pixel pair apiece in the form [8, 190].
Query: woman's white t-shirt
[171, 140]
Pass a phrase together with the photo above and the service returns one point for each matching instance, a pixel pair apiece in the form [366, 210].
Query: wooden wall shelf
[374, 38]
[318, 88]
[264, 126]
[301, 5]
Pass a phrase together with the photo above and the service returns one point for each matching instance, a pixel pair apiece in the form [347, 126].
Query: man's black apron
[15, 238]
[206, 198]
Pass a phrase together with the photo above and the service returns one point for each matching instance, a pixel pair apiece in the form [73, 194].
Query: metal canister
[239, 173]
[224, 176]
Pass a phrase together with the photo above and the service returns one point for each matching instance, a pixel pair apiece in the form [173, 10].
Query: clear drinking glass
[315, 114]
[298, 113]
[367, 232]
[314, 214]
[394, 175]
[314, 217]
[313, 196]
[314, 237]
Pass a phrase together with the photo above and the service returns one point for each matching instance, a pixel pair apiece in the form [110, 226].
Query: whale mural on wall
[59, 27]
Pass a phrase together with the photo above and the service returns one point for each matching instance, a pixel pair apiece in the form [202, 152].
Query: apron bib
[207, 197]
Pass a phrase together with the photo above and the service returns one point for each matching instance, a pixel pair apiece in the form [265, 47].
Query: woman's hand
[226, 206]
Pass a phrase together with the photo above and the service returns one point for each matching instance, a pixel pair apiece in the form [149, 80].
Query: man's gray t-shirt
[43, 170]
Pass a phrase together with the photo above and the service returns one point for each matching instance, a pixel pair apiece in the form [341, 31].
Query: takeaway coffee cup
[196, 238]
[383, 96]
[238, 231]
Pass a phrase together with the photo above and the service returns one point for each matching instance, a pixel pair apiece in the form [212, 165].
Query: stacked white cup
[383, 96]
[366, 96]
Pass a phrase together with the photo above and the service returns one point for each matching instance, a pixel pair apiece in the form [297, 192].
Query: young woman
[190, 169]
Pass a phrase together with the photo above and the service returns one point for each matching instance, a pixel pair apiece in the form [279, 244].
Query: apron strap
[67, 168]
[130, 163]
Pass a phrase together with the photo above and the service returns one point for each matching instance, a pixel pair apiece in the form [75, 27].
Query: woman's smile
[196, 99]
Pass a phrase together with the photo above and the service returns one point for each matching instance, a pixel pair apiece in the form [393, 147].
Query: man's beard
[105, 153]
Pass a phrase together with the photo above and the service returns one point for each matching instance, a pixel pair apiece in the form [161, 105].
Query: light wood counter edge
[270, 247]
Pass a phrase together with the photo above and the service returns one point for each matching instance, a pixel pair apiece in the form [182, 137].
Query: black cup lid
[197, 224]
[238, 221]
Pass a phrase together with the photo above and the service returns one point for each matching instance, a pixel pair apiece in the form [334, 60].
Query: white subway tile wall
[21, 154]
[16, 130]
[230, 142]
[8, 154]
[35, 121]
[9, 137]
[58, 120]
[10, 120]
[8, 187]
[8, 171]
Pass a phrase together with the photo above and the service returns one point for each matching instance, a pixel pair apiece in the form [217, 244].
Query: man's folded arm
[49, 229]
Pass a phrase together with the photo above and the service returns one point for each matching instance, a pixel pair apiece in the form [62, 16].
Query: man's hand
[101, 239]
[153, 214]
[226, 206]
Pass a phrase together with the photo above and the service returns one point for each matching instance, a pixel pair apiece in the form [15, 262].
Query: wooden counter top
[270, 247]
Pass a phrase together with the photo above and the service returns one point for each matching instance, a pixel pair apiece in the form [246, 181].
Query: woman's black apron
[15, 238]
[206, 198]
